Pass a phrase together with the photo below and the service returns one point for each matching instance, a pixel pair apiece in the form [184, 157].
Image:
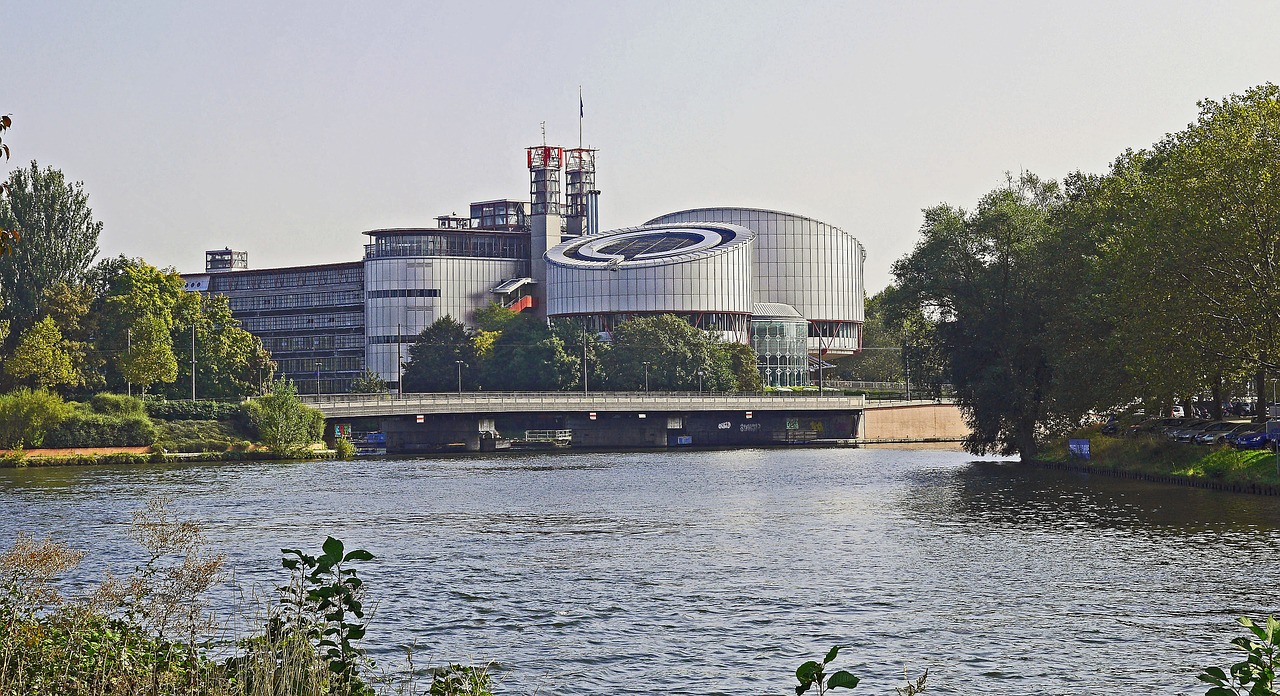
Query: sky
[286, 129]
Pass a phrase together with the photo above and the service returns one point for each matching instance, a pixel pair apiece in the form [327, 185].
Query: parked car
[1157, 425]
[1186, 432]
[1217, 433]
[1255, 438]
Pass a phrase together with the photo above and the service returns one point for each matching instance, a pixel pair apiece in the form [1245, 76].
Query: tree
[283, 422]
[494, 317]
[41, 357]
[433, 358]
[139, 321]
[149, 358]
[369, 383]
[59, 240]
[676, 352]
[882, 342]
[979, 275]
[230, 362]
[527, 357]
[745, 366]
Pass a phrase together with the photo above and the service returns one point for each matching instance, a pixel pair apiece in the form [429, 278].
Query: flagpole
[579, 116]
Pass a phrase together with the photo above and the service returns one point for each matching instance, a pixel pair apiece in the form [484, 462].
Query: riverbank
[1153, 458]
[99, 456]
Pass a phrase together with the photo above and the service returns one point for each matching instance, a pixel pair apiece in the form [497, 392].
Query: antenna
[544, 132]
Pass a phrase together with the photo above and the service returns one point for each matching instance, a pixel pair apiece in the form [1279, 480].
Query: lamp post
[318, 364]
[699, 382]
[646, 375]
[459, 363]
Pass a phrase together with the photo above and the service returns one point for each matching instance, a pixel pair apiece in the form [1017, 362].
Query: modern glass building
[310, 318]
[814, 267]
[789, 285]
[416, 276]
[779, 336]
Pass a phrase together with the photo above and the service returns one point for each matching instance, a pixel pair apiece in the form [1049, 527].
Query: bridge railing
[577, 401]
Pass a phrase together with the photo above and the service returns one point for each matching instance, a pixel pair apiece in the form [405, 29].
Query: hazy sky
[287, 129]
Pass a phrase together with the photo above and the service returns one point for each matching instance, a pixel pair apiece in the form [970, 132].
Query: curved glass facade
[810, 265]
[782, 350]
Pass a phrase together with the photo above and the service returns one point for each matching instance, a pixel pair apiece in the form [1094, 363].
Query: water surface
[719, 572]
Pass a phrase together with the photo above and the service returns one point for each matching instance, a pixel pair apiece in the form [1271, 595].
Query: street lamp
[459, 363]
[646, 375]
[699, 382]
[318, 364]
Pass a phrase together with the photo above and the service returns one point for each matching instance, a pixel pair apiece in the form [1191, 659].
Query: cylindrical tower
[810, 265]
[544, 222]
[701, 272]
[579, 181]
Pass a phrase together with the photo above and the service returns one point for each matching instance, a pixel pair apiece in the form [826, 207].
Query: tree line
[1153, 284]
[78, 325]
[518, 352]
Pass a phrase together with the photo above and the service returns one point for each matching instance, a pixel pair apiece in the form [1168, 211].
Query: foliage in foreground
[151, 632]
[1255, 675]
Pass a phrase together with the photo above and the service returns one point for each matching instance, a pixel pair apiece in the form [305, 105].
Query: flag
[581, 111]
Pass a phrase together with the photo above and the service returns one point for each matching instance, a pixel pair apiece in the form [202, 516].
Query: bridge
[373, 405]
[428, 422]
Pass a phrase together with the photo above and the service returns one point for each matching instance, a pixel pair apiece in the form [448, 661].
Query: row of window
[323, 365]
[285, 279]
[470, 244]
[323, 321]
[404, 292]
[310, 299]
[287, 344]
[392, 338]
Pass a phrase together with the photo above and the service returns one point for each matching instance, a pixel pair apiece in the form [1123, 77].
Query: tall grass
[153, 633]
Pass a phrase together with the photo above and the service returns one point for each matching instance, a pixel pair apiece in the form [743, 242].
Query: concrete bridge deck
[373, 405]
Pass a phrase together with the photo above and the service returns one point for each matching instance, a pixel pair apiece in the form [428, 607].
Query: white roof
[775, 310]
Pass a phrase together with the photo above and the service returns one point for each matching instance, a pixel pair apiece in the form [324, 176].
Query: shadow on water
[1010, 494]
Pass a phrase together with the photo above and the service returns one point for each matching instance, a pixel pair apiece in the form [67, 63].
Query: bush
[344, 449]
[81, 429]
[197, 436]
[193, 410]
[116, 405]
[282, 422]
[26, 416]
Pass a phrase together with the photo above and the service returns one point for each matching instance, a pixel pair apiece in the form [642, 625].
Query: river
[694, 572]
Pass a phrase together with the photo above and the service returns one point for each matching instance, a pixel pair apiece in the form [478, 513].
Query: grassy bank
[36, 459]
[1155, 456]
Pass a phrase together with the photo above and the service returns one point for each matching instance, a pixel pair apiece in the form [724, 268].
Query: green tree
[42, 358]
[527, 357]
[494, 317]
[676, 351]
[433, 359]
[579, 342]
[881, 356]
[745, 366]
[979, 274]
[230, 362]
[369, 383]
[59, 240]
[283, 423]
[26, 416]
[139, 322]
[149, 358]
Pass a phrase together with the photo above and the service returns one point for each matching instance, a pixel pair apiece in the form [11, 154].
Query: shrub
[343, 447]
[117, 405]
[192, 410]
[197, 436]
[81, 429]
[27, 415]
[282, 422]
